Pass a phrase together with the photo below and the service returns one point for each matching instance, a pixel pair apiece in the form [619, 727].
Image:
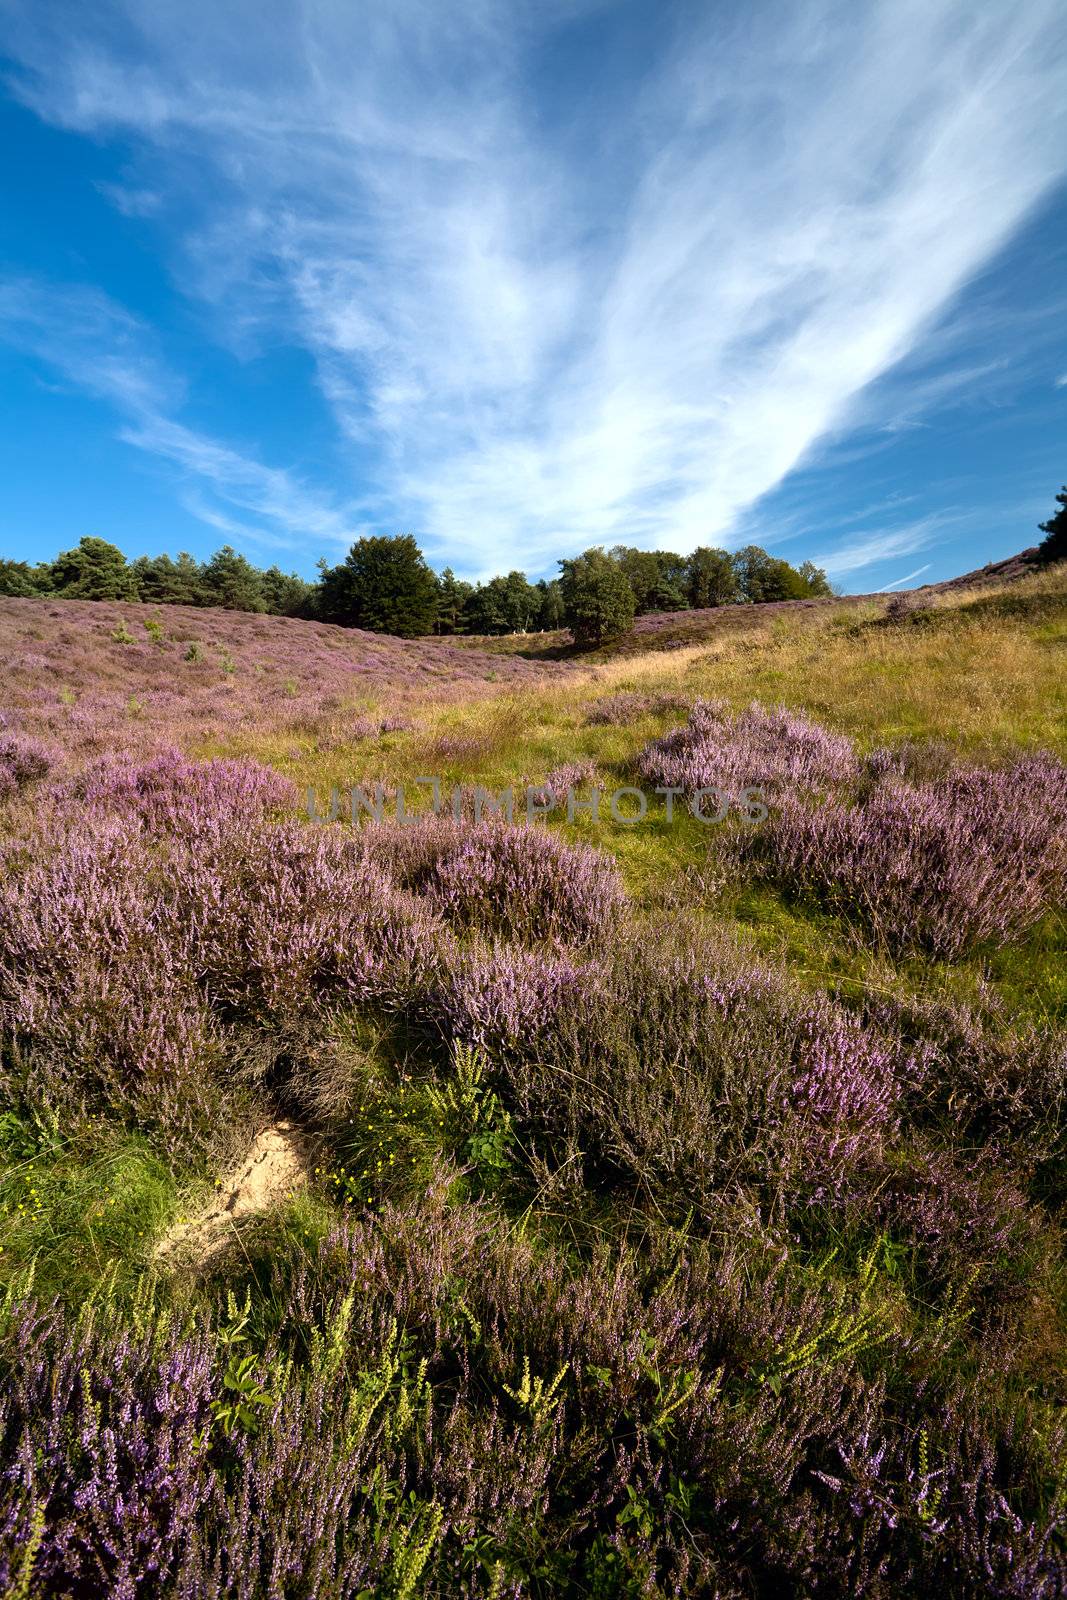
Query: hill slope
[594, 1207]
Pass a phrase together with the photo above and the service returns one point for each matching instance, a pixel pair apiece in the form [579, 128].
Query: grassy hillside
[567, 1208]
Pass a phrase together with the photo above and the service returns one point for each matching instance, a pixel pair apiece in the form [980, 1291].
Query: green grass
[984, 672]
[78, 1205]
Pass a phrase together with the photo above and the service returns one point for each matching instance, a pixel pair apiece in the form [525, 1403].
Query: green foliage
[236, 1410]
[550, 611]
[1053, 546]
[598, 601]
[815, 578]
[537, 1398]
[847, 1333]
[287, 595]
[711, 578]
[413, 1545]
[383, 585]
[173, 583]
[473, 1121]
[452, 597]
[231, 581]
[657, 578]
[71, 1202]
[93, 570]
[20, 580]
[762, 577]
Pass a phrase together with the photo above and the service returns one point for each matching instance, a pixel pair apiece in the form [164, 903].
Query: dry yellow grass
[989, 681]
[985, 671]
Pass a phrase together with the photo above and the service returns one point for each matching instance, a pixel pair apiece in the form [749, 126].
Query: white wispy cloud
[267, 492]
[131, 201]
[547, 322]
[869, 548]
[898, 583]
[99, 347]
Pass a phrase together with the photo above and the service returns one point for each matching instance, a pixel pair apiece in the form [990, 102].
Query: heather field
[566, 1207]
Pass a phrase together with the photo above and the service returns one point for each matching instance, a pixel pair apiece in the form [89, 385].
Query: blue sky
[521, 276]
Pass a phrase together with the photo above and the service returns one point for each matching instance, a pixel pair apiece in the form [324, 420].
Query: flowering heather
[571, 776]
[980, 1076]
[169, 792]
[978, 856]
[622, 1258]
[523, 881]
[282, 920]
[125, 962]
[626, 1055]
[505, 999]
[774, 750]
[204, 673]
[629, 704]
[22, 760]
[718, 1392]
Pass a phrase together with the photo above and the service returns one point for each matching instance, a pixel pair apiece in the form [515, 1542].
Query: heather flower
[502, 998]
[22, 759]
[169, 792]
[630, 704]
[977, 856]
[777, 751]
[522, 881]
[126, 960]
[685, 1067]
[568, 779]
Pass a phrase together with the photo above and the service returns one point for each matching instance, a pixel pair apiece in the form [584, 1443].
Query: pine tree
[93, 570]
[18, 578]
[1053, 546]
[285, 594]
[231, 581]
[384, 585]
[175, 583]
[452, 595]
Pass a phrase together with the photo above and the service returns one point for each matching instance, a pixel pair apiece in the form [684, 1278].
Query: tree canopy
[598, 601]
[93, 570]
[1053, 546]
[384, 585]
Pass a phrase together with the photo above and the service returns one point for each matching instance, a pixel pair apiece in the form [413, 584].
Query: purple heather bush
[215, 672]
[978, 856]
[706, 1424]
[768, 1296]
[680, 1065]
[127, 958]
[503, 999]
[981, 1078]
[628, 705]
[169, 792]
[777, 750]
[521, 881]
[571, 777]
[284, 919]
[22, 759]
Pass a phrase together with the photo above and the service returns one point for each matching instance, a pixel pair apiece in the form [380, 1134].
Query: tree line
[385, 585]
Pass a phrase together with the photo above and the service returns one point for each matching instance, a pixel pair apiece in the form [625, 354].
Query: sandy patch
[273, 1168]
